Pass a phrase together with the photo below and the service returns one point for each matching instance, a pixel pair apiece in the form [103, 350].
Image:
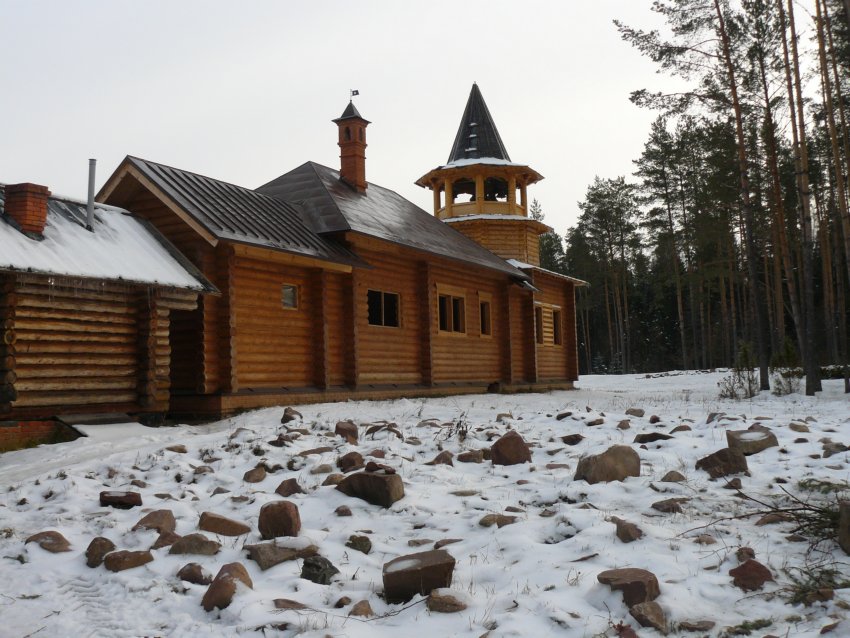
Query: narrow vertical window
[289, 296]
[484, 314]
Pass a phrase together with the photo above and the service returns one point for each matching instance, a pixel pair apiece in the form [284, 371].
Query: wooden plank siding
[556, 362]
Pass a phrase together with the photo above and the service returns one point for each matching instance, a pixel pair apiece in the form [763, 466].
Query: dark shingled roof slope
[331, 205]
[235, 213]
[477, 135]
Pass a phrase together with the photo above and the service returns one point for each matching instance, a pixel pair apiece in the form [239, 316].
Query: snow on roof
[120, 248]
[516, 263]
[466, 218]
[492, 161]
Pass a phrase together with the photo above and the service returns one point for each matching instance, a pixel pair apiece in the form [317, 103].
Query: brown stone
[696, 625]
[343, 510]
[681, 428]
[361, 608]
[615, 464]
[749, 442]
[377, 488]
[344, 601]
[572, 439]
[165, 539]
[267, 555]
[406, 576]
[223, 587]
[159, 520]
[499, 520]
[670, 505]
[286, 603]
[649, 614]
[279, 518]
[471, 456]
[595, 422]
[350, 462]
[97, 549]
[744, 554]
[125, 559]
[444, 602]
[179, 448]
[195, 574]
[626, 532]
[652, 437]
[347, 430]
[510, 449]
[636, 412]
[316, 450]
[654, 419]
[734, 484]
[50, 541]
[195, 544]
[218, 524]
[722, 463]
[120, 500]
[798, 427]
[324, 468]
[637, 585]
[624, 424]
[446, 541]
[673, 477]
[289, 487]
[750, 575]
[443, 458]
[289, 415]
[255, 475]
[774, 517]
[333, 479]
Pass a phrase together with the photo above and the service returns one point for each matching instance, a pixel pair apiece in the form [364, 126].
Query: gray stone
[360, 543]
[319, 570]
[615, 464]
[636, 412]
[751, 441]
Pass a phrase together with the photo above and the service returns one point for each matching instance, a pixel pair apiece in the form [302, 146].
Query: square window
[289, 296]
[383, 308]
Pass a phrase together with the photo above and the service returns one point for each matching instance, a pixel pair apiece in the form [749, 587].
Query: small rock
[165, 539]
[649, 614]
[443, 458]
[500, 520]
[832, 448]
[289, 415]
[138, 483]
[652, 437]
[373, 487]
[195, 574]
[722, 463]
[637, 585]
[361, 608]
[288, 487]
[471, 456]
[343, 510]
[673, 477]
[319, 570]
[744, 554]
[360, 543]
[316, 451]
[342, 602]
[159, 520]
[323, 468]
[279, 518]
[572, 439]
[203, 469]
[595, 422]
[734, 484]
[350, 462]
[125, 559]
[97, 549]
[406, 576]
[681, 428]
[50, 541]
[615, 464]
[749, 442]
[179, 448]
[286, 603]
[510, 449]
[625, 424]
[557, 466]
[120, 500]
[654, 419]
[256, 475]
[218, 524]
[195, 544]
[750, 575]
[636, 412]
[444, 601]
[705, 539]
[347, 430]
[696, 625]
[626, 532]
[333, 479]
[267, 555]
[446, 541]
[844, 526]
[773, 518]
[223, 587]
[670, 505]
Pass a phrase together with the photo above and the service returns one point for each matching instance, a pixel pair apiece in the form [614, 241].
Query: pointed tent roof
[350, 113]
[477, 135]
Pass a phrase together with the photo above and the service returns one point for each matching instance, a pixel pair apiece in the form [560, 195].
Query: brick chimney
[27, 205]
[352, 147]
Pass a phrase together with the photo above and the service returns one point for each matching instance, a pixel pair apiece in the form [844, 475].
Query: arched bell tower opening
[482, 193]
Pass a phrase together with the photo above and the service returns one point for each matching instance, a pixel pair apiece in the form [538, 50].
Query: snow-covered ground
[536, 577]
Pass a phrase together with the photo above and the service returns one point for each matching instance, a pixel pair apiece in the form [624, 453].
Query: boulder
[347, 430]
[289, 487]
[97, 549]
[406, 576]
[195, 574]
[650, 614]
[636, 412]
[626, 532]
[751, 441]
[159, 520]
[267, 555]
[319, 570]
[279, 518]
[125, 559]
[255, 475]
[673, 477]
[722, 463]
[350, 462]
[471, 456]
[444, 601]
[361, 608]
[510, 449]
[376, 487]
[50, 541]
[637, 585]
[195, 544]
[615, 464]
[222, 589]
[443, 458]
[218, 524]
[750, 575]
[289, 415]
[120, 500]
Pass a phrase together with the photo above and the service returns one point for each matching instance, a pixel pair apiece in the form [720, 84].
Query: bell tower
[352, 147]
[476, 190]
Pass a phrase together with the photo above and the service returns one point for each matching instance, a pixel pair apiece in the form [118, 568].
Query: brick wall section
[27, 204]
[15, 435]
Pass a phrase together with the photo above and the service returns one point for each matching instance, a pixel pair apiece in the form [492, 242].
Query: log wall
[556, 361]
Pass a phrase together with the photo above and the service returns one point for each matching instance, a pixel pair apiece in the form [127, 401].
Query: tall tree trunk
[677, 274]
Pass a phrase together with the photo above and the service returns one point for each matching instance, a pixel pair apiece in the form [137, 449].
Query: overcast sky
[245, 91]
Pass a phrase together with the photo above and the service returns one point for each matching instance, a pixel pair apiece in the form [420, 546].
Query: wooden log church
[332, 287]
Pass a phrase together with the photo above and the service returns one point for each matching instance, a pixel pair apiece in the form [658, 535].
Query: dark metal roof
[235, 213]
[350, 112]
[477, 135]
[331, 205]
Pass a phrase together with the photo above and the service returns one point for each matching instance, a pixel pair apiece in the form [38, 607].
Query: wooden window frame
[296, 289]
[557, 327]
[542, 312]
[538, 325]
[454, 296]
[485, 299]
[383, 323]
